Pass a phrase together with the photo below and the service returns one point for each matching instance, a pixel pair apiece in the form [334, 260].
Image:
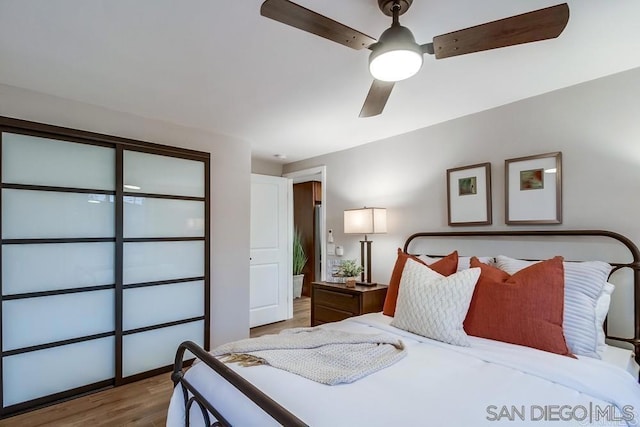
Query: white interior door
[271, 294]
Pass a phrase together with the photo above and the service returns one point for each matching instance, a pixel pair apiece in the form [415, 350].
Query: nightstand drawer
[332, 302]
[342, 301]
[327, 314]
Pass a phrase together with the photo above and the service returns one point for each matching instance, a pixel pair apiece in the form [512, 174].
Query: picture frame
[533, 189]
[469, 195]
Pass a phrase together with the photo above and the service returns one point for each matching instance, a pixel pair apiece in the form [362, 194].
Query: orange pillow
[445, 266]
[525, 309]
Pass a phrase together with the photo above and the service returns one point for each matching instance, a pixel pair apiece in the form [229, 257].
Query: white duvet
[488, 384]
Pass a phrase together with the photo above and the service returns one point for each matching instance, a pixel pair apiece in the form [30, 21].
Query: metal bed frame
[284, 417]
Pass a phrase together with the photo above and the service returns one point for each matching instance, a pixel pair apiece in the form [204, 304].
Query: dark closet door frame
[119, 144]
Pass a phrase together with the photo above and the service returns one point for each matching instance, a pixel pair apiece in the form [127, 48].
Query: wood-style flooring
[301, 318]
[143, 403]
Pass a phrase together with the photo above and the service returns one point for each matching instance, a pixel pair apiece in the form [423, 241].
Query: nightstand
[331, 302]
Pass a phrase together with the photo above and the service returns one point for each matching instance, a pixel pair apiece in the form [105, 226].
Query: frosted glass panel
[154, 349]
[148, 217]
[41, 373]
[40, 161]
[155, 174]
[151, 261]
[34, 321]
[59, 266]
[48, 214]
[178, 301]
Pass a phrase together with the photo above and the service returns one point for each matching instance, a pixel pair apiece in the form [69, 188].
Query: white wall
[596, 125]
[230, 190]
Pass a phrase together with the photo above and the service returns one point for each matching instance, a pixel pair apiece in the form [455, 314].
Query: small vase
[351, 282]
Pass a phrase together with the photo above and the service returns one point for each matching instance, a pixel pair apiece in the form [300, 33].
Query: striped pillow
[583, 284]
[602, 309]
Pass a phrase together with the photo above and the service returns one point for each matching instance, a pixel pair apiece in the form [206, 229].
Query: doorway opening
[309, 218]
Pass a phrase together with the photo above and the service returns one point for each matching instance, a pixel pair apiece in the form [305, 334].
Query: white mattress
[436, 384]
[622, 358]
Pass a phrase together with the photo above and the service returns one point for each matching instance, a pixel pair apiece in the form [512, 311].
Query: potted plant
[350, 270]
[299, 261]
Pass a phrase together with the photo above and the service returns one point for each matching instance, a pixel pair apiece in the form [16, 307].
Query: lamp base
[366, 283]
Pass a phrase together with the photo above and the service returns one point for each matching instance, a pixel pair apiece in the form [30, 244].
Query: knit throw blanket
[320, 354]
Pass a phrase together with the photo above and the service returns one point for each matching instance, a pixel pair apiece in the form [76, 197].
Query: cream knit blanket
[323, 355]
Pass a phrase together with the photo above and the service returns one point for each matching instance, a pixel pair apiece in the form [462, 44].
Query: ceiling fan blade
[533, 26]
[307, 20]
[376, 98]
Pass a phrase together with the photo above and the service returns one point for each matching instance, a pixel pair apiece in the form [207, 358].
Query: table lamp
[365, 221]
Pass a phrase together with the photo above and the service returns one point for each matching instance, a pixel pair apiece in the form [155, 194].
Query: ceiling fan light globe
[396, 56]
[395, 65]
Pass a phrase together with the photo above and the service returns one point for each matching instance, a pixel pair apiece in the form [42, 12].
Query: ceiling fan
[396, 55]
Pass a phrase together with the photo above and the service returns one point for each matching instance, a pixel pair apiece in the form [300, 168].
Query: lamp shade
[365, 221]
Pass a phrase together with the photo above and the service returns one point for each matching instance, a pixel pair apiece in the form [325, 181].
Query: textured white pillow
[432, 305]
[583, 284]
[602, 309]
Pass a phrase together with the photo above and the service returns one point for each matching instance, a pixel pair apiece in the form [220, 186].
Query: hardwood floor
[143, 403]
[301, 318]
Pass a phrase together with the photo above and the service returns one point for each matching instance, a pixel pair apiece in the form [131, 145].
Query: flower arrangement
[349, 268]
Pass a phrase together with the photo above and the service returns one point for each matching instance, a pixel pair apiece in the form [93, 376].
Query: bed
[487, 382]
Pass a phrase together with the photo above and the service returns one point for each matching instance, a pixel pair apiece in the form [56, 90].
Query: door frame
[314, 174]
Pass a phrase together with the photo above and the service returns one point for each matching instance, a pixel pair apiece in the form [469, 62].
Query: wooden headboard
[634, 264]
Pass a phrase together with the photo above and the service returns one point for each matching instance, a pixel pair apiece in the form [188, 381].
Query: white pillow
[464, 262]
[432, 305]
[583, 284]
[602, 309]
[430, 259]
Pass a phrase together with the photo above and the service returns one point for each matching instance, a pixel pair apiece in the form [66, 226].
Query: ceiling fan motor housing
[396, 37]
[386, 6]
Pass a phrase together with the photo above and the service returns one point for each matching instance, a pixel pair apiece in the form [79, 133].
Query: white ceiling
[220, 66]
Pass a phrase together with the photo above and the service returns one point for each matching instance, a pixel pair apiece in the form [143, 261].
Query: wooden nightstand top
[343, 287]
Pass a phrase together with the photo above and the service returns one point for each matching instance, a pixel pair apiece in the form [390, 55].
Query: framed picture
[533, 189]
[469, 195]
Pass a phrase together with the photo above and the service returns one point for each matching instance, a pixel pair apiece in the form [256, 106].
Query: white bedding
[436, 384]
[622, 358]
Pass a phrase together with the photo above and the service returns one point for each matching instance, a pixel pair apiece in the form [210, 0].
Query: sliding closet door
[164, 254]
[58, 277]
[104, 260]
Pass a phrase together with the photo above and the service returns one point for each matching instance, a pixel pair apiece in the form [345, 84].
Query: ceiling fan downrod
[395, 10]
